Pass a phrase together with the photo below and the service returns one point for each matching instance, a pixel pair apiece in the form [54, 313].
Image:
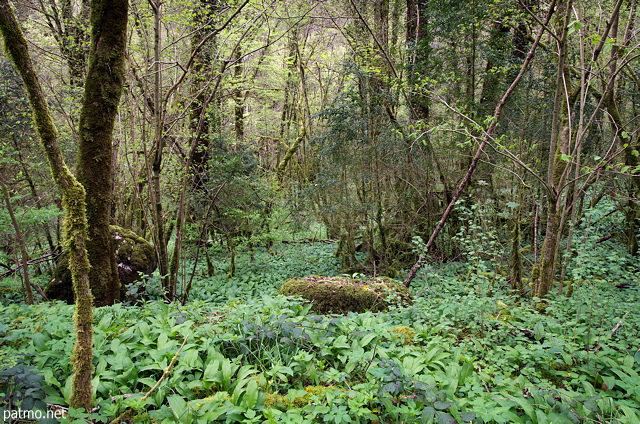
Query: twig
[126, 414]
[46, 257]
[166, 370]
[619, 324]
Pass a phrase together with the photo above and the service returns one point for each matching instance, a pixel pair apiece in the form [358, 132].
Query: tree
[102, 93]
[24, 256]
[69, 24]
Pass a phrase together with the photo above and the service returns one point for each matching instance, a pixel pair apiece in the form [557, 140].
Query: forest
[320, 211]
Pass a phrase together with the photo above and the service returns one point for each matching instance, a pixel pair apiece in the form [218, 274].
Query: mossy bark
[102, 90]
[73, 202]
[557, 166]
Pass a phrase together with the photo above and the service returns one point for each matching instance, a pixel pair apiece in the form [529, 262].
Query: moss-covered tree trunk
[544, 271]
[417, 32]
[102, 90]
[73, 202]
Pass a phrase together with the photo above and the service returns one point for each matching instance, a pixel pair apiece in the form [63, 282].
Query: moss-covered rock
[134, 255]
[344, 294]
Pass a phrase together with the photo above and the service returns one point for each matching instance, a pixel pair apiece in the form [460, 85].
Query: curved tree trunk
[73, 202]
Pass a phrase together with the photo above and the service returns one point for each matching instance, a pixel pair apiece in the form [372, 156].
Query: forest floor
[466, 351]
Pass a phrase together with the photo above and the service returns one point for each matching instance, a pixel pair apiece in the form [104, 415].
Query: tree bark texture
[73, 202]
[416, 36]
[102, 90]
[544, 271]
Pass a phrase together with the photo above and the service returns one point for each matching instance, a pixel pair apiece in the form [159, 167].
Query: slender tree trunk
[160, 234]
[73, 201]
[628, 142]
[28, 293]
[422, 257]
[238, 97]
[417, 21]
[544, 272]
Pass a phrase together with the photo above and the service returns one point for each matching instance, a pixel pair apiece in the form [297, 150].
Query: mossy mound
[344, 294]
[134, 255]
[300, 401]
[405, 333]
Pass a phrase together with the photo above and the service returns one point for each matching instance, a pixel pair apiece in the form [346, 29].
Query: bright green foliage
[456, 354]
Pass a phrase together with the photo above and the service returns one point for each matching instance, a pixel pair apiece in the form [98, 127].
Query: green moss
[541, 306]
[134, 256]
[407, 333]
[132, 248]
[345, 294]
[285, 402]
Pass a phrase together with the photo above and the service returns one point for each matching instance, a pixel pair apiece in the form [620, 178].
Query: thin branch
[474, 163]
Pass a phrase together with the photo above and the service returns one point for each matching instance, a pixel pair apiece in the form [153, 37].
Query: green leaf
[162, 341]
[468, 416]
[191, 358]
[630, 414]
[39, 340]
[441, 405]
[609, 381]
[251, 395]
[367, 339]
[178, 406]
[564, 157]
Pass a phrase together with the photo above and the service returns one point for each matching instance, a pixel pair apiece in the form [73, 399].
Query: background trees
[241, 119]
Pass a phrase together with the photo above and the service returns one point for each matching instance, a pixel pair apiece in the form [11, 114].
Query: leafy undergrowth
[466, 351]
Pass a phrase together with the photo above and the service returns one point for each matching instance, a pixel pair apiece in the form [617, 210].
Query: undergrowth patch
[466, 351]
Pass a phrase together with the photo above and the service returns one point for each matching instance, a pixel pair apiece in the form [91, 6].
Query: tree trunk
[102, 90]
[202, 121]
[28, 293]
[474, 162]
[627, 141]
[159, 232]
[417, 20]
[238, 97]
[544, 272]
[73, 202]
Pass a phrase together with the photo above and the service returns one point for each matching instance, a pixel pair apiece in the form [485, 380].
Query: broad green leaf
[178, 406]
[251, 395]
